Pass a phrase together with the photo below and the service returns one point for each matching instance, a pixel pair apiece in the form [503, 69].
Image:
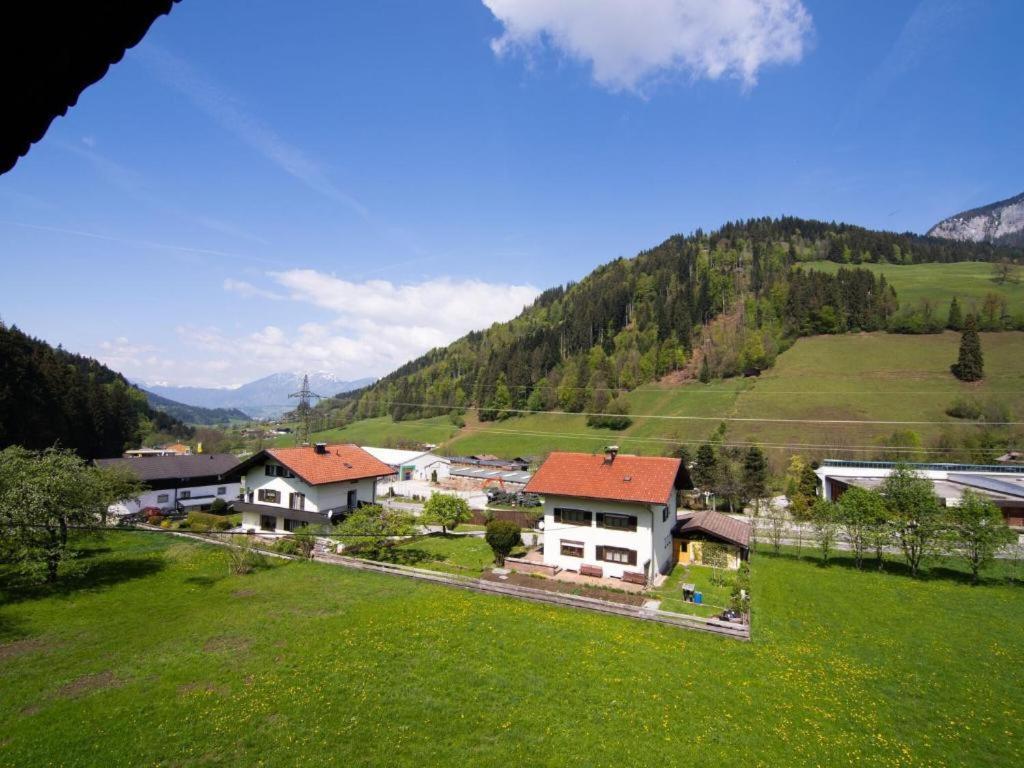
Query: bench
[591, 570]
[634, 577]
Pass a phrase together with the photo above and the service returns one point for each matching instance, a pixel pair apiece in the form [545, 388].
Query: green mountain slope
[702, 306]
[50, 396]
[194, 414]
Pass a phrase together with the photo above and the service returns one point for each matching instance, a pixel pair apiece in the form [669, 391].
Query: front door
[268, 522]
[351, 499]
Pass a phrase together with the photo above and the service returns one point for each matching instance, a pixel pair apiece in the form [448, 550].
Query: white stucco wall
[152, 498]
[652, 539]
[319, 498]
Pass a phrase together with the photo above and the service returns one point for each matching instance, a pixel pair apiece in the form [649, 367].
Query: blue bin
[698, 597]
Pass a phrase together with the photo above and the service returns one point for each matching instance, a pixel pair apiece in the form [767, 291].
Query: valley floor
[159, 656]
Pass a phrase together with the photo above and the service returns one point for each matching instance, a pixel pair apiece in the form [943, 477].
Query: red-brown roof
[337, 464]
[714, 524]
[642, 479]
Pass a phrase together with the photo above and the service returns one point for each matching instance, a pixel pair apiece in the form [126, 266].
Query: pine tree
[705, 467]
[956, 319]
[755, 475]
[705, 370]
[970, 364]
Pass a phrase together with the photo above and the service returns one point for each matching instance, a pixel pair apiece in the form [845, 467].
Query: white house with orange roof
[286, 488]
[610, 514]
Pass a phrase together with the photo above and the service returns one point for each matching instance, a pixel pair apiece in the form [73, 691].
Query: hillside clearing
[168, 659]
[969, 281]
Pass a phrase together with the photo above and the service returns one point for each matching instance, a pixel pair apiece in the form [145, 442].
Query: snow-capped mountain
[263, 398]
[1000, 223]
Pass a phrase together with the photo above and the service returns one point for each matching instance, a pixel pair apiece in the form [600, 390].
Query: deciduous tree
[978, 531]
[861, 512]
[915, 514]
[446, 510]
[44, 496]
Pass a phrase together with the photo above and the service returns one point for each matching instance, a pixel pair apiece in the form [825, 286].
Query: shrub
[204, 521]
[241, 558]
[165, 523]
[964, 408]
[286, 546]
[154, 518]
[219, 507]
[502, 536]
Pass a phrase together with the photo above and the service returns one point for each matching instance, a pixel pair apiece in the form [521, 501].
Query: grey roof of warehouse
[484, 473]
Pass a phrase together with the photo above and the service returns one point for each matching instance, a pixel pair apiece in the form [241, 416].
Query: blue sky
[269, 186]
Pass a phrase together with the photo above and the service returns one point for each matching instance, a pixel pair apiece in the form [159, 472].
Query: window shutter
[600, 519]
[558, 514]
[600, 553]
[632, 555]
[632, 527]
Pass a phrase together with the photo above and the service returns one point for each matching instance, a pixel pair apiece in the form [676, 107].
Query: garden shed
[710, 538]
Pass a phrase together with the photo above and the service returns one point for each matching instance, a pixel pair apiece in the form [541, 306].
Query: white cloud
[628, 42]
[369, 328]
[249, 290]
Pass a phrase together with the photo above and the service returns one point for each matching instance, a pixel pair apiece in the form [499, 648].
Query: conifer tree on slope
[970, 363]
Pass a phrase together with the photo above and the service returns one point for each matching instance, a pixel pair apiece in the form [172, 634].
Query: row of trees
[903, 513]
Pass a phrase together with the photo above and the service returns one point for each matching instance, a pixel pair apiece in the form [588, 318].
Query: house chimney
[320, 448]
[610, 453]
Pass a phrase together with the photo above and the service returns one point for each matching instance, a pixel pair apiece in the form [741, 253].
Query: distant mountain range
[1000, 223]
[262, 399]
[194, 414]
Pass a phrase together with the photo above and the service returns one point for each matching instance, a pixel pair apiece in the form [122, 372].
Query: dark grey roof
[175, 467]
[996, 485]
[714, 524]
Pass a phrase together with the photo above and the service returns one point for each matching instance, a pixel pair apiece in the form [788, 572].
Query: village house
[412, 465]
[1002, 484]
[609, 515]
[286, 488]
[177, 483]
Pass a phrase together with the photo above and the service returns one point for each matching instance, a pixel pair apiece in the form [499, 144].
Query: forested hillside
[705, 305]
[49, 395]
[194, 414]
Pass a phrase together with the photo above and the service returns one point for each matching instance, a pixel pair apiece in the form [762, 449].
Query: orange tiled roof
[643, 479]
[339, 463]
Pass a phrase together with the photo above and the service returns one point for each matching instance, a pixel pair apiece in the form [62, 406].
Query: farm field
[969, 281]
[876, 376]
[383, 432]
[160, 656]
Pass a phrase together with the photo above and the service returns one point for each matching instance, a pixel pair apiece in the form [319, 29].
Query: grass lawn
[716, 596]
[467, 555]
[969, 281]
[160, 657]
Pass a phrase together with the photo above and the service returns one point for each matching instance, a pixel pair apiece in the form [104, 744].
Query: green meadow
[851, 377]
[158, 656]
[969, 281]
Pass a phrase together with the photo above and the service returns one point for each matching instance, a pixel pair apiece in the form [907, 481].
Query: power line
[743, 419]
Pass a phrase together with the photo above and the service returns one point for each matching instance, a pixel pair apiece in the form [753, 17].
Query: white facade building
[177, 483]
[1002, 484]
[285, 488]
[412, 465]
[610, 515]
